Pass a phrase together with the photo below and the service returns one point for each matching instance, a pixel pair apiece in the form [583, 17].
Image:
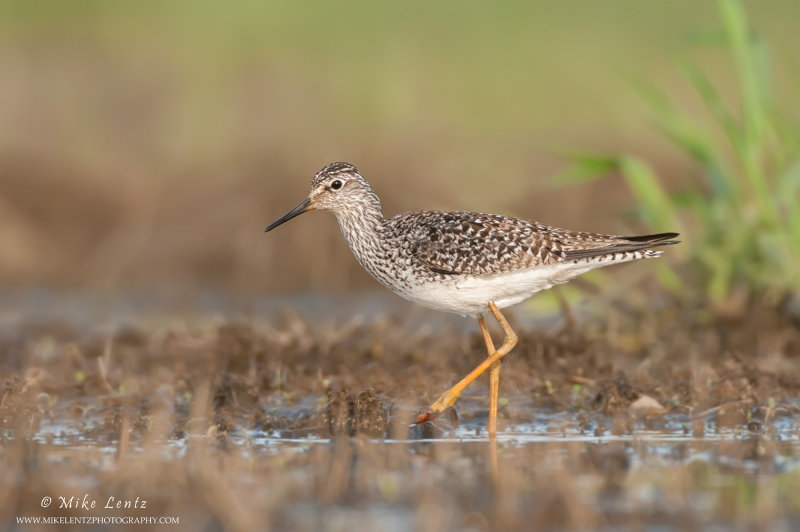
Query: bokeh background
[145, 145]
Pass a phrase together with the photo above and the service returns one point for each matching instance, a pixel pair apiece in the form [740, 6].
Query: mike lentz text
[87, 503]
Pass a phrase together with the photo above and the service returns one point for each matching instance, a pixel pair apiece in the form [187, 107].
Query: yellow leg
[494, 379]
[448, 398]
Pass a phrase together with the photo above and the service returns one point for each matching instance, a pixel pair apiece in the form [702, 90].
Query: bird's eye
[336, 185]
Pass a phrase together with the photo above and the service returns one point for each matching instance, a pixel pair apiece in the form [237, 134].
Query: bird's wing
[468, 243]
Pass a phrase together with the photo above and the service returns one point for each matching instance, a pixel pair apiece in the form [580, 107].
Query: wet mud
[674, 417]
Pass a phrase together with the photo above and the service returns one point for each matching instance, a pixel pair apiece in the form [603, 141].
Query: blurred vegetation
[146, 144]
[741, 221]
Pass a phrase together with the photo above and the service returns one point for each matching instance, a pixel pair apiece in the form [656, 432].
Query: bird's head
[337, 187]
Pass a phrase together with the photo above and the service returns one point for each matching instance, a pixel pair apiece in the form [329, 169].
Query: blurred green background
[145, 145]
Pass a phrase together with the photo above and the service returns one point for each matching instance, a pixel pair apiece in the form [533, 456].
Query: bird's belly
[470, 294]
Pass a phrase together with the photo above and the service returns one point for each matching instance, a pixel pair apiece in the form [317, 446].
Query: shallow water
[667, 478]
[235, 426]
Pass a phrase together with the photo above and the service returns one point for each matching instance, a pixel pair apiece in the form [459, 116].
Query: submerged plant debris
[670, 418]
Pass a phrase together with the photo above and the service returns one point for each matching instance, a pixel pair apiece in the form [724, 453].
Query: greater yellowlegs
[463, 262]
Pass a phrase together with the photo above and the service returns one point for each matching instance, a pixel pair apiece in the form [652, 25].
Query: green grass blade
[788, 194]
[584, 168]
[750, 73]
[750, 59]
[658, 210]
[713, 102]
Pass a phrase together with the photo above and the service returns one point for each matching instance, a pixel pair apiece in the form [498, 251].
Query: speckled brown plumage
[469, 243]
[459, 261]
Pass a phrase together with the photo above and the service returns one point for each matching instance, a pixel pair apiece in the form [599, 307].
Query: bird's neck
[362, 221]
[362, 227]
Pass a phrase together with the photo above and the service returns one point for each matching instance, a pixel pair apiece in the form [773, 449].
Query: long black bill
[304, 206]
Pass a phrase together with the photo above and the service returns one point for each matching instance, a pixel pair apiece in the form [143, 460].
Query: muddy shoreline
[668, 417]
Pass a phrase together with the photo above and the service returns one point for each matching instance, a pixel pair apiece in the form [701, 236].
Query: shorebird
[466, 263]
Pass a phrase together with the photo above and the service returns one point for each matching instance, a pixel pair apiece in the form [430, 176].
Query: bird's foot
[428, 415]
[445, 401]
